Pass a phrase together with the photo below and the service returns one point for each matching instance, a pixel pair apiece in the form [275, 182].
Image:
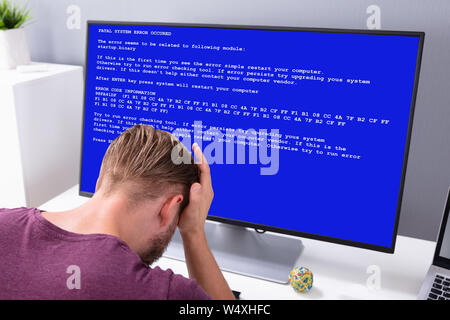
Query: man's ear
[170, 210]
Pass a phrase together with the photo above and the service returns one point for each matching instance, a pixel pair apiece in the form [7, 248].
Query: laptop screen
[445, 248]
[442, 253]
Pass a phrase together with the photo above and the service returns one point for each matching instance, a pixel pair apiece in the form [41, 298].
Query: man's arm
[200, 262]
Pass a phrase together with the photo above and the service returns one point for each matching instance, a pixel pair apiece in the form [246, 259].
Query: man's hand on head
[192, 219]
[199, 259]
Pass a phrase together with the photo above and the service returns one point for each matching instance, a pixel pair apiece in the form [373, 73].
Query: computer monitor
[307, 131]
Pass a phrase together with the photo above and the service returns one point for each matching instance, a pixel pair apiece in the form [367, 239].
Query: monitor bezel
[439, 260]
[419, 34]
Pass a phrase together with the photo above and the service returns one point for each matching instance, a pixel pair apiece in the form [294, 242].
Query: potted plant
[14, 49]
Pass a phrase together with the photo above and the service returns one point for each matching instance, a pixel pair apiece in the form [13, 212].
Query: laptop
[436, 285]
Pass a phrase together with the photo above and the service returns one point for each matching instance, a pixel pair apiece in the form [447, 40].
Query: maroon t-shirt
[39, 260]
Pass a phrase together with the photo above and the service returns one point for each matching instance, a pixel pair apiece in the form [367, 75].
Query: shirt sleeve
[181, 288]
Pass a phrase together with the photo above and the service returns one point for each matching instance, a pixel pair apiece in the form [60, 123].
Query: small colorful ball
[301, 279]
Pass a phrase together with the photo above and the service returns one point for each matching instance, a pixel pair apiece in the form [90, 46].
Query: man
[103, 249]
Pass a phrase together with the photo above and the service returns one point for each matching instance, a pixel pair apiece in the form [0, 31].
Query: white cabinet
[40, 133]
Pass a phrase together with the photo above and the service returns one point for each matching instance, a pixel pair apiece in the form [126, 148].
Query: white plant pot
[14, 49]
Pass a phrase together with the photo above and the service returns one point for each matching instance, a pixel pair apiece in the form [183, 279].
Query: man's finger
[195, 189]
[200, 157]
[205, 176]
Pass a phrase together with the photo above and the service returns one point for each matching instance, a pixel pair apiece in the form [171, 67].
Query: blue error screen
[304, 131]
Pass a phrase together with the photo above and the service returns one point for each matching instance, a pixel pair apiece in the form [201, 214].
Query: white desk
[340, 272]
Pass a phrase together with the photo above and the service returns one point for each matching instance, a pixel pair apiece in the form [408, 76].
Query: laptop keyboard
[440, 290]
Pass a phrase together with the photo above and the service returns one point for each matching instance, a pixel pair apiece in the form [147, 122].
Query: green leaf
[13, 16]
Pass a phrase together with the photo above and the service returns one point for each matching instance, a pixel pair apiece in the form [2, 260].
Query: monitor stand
[268, 256]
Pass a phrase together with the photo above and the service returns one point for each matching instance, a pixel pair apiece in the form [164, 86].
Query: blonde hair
[141, 157]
